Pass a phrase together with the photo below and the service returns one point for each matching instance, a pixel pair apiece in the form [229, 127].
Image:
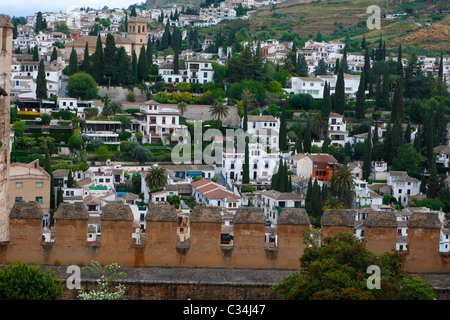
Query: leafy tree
[103, 153]
[407, 159]
[75, 141]
[20, 281]
[138, 152]
[82, 86]
[337, 270]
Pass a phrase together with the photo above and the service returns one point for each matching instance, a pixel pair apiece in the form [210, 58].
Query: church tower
[6, 48]
[137, 32]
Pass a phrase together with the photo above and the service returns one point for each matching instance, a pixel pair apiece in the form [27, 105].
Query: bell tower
[137, 32]
[6, 48]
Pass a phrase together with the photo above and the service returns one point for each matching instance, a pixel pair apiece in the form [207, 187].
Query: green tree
[125, 72]
[156, 177]
[86, 64]
[103, 153]
[342, 183]
[367, 164]
[282, 140]
[20, 281]
[360, 99]
[219, 110]
[41, 83]
[142, 66]
[112, 108]
[54, 54]
[246, 165]
[326, 102]
[82, 86]
[73, 63]
[337, 270]
[433, 185]
[97, 68]
[110, 55]
[339, 97]
[407, 159]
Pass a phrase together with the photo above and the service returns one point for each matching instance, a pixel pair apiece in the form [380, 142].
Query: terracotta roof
[200, 183]
[261, 118]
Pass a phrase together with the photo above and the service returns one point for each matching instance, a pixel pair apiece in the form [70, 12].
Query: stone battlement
[162, 246]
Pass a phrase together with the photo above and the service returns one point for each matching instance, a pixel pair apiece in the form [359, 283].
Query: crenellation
[249, 249]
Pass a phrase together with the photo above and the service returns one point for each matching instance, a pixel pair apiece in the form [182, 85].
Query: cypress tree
[246, 167]
[375, 134]
[433, 185]
[418, 140]
[387, 147]
[307, 138]
[441, 125]
[73, 62]
[339, 97]
[398, 109]
[166, 37]
[41, 83]
[399, 61]
[366, 69]
[385, 92]
[110, 69]
[149, 52]
[309, 191]
[85, 65]
[54, 54]
[283, 133]
[70, 180]
[245, 121]
[344, 64]
[337, 67]
[134, 68]
[125, 76]
[367, 157]
[378, 93]
[35, 53]
[441, 67]
[360, 99]
[301, 67]
[326, 102]
[298, 140]
[429, 135]
[407, 137]
[97, 69]
[176, 62]
[142, 66]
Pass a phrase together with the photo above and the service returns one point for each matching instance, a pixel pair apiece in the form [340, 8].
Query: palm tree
[219, 110]
[156, 177]
[111, 109]
[182, 107]
[342, 183]
[46, 143]
[333, 203]
[319, 125]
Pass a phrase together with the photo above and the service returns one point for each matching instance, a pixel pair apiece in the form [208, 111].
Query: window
[39, 199]
[19, 184]
[18, 199]
[39, 184]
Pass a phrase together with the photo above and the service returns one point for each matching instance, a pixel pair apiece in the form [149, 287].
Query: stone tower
[6, 48]
[137, 32]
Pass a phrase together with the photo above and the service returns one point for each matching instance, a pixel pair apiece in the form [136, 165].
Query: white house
[273, 202]
[264, 128]
[403, 186]
[193, 70]
[337, 129]
[211, 194]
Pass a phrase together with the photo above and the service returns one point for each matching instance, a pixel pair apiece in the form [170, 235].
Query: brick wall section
[380, 231]
[160, 248]
[335, 221]
[423, 245]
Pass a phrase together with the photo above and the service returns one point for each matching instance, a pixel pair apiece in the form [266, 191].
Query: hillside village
[328, 129]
